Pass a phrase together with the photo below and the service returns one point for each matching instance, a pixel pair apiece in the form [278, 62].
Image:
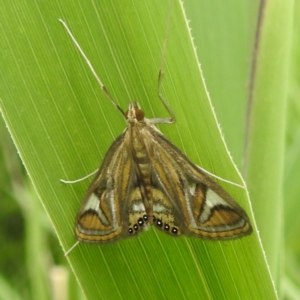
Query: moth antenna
[162, 61]
[78, 180]
[75, 245]
[102, 86]
[172, 118]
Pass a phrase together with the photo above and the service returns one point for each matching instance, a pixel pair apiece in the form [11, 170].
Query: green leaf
[265, 147]
[62, 125]
[291, 172]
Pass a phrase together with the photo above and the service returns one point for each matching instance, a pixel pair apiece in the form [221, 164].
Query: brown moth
[144, 179]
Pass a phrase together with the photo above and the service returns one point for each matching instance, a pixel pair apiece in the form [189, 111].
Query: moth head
[134, 113]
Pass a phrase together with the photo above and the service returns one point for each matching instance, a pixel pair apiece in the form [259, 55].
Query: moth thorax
[135, 114]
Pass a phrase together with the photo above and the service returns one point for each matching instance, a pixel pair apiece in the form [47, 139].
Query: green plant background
[62, 125]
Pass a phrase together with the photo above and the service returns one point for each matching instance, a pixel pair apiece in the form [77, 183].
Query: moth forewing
[200, 206]
[100, 218]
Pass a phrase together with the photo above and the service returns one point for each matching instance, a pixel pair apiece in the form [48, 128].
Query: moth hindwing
[144, 179]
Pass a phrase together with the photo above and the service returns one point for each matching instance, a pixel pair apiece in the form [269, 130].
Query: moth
[145, 180]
